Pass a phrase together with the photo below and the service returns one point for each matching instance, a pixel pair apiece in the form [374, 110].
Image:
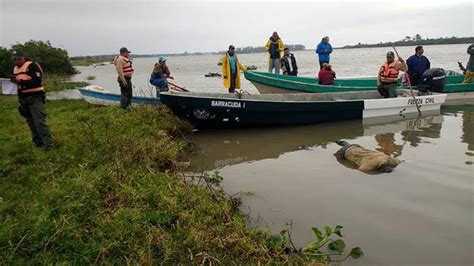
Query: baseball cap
[17, 53]
[390, 54]
[124, 49]
[162, 59]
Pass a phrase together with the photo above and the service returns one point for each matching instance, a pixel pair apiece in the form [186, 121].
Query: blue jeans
[274, 64]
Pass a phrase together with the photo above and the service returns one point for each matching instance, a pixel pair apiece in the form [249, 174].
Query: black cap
[124, 49]
[17, 53]
[390, 53]
[231, 47]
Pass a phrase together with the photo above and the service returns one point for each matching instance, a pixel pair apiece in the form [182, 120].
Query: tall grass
[110, 193]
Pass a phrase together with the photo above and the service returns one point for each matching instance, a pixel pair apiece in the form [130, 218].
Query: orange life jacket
[388, 73]
[127, 67]
[21, 74]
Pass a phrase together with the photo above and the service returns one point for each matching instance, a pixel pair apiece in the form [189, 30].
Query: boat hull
[267, 83]
[227, 110]
[98, 97]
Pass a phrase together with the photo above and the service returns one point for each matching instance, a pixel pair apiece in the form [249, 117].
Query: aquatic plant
[316, 249]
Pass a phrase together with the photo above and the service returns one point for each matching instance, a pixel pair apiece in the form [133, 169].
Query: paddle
[179, 88]
[409, 83]
[463, 69]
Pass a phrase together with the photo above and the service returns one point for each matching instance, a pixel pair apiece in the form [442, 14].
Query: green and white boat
[458, 93]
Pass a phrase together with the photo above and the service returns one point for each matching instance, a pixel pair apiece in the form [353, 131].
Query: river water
[422, 213]
[189, 70]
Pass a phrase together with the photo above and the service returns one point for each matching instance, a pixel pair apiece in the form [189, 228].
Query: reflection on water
[422, 213]
[387, 144]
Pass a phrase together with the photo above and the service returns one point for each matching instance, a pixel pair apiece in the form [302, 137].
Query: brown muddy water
[422, 213]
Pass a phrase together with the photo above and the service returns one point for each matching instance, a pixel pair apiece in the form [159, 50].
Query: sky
[86, 27]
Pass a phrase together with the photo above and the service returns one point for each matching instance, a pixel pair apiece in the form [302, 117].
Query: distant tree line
[52, 59]
[415, 40]
[259, 49]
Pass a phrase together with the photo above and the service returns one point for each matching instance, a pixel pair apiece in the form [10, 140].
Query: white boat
[97, 95]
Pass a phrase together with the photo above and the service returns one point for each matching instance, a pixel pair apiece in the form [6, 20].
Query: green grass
[111, 193]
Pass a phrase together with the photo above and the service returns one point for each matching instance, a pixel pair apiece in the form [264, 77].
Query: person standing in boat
[417, 65]
[231, 70]
[326, 76]
[324, 49]
[159, 76]
[470, 65]
[288, 63]
[125, 71]
[388, 76]
[274, 47]
[28, 77]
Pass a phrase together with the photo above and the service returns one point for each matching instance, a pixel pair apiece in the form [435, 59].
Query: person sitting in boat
[326, 76]
[388, 76]
[417, 65]
[160, 73]
[231, 70]
[288, 63]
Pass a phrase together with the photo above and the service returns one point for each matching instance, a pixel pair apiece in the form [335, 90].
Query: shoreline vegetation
[414, 41]
[113, 192]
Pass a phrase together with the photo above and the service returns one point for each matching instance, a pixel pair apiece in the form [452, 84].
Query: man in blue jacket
[323, 50]
[417, 65]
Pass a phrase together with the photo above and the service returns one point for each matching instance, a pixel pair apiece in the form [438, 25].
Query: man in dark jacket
[28, 76]
[417, 65]
[288, 63]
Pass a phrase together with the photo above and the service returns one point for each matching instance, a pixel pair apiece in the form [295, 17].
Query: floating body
[366, 160]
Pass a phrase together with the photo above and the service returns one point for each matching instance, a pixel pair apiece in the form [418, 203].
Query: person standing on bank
[28, 76]
[417, 65]
[288, 63]
[274, 47]
[388, 76]
[324, 49]
[470, 65]
[125, 72]
[231, 70]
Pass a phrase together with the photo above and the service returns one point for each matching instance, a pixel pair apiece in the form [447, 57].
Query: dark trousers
[32, 109]
[125, 92]
[415, 79]
[233, 76]
[388, 90]
[321, 64]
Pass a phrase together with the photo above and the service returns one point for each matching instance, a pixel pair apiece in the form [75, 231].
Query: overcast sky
[103, 26]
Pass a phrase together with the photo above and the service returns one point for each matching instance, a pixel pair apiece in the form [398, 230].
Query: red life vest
[127, 67]
[388, 73]
[21, 74]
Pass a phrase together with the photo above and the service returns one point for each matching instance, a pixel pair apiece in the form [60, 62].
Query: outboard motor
[433, 80]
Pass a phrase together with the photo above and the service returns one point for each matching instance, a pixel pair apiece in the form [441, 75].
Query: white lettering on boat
[227, 104]
[420, 101]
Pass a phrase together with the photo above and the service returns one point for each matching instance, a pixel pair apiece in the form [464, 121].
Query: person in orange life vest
[231, 70]
[388, 76]
[326, 75]
[28, 77]
[125, 72]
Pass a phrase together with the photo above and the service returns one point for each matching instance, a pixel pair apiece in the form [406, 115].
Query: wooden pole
[181, 88]
[409, 84]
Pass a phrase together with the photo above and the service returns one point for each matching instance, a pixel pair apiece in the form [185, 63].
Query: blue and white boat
[97, 95]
